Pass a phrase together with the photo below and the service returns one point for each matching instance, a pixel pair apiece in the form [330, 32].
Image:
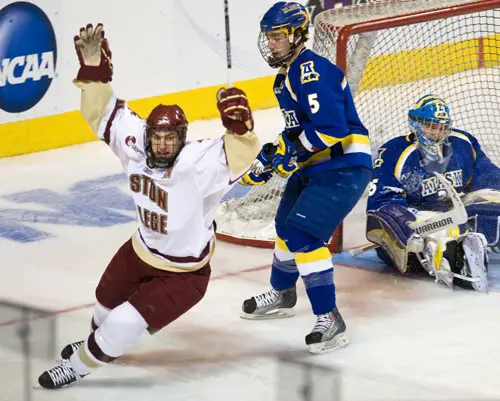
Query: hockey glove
[235, 111]
[264, 158]
[93, 54]
[282, 160]
[261, 170]
[251, 178]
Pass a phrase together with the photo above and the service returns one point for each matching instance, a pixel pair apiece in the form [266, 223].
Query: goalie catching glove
[235, 111]
[94, 55]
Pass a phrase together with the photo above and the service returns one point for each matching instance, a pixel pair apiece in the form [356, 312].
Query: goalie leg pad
[485, 218]
[475, 250]
[388, 228]
[458, 261]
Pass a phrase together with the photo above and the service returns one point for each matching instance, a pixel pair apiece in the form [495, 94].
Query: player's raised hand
[93, 54]
[235, 111]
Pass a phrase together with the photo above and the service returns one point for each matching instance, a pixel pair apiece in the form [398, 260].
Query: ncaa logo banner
[28, 55]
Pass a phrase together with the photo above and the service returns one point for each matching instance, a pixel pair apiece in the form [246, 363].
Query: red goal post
[394, 52]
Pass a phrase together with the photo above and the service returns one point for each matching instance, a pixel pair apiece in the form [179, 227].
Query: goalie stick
[455, 216]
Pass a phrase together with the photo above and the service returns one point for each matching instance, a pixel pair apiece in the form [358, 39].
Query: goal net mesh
[453, 56]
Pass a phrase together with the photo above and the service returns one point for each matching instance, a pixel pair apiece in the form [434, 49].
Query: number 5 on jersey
[313, 102]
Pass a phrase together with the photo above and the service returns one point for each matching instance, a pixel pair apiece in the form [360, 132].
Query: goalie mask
[165, 136]
[282, 29]
[430, 121]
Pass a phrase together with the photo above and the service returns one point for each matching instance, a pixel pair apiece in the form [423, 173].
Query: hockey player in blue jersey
[325, 136]
[404, 189]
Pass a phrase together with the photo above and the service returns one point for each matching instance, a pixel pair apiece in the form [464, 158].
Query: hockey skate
[270, 305]
[60, 376]
[70, 349]
[328, 333]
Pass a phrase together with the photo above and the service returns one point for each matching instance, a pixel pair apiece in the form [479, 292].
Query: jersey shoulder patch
[308, 72]
[391, 151]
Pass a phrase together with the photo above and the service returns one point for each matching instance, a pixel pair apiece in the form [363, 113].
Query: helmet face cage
[155, 161]
[164, 121]
[430, 121]
[280, 55]
[285, 23]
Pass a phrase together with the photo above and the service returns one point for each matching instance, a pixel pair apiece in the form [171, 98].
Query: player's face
[165, 144]
[434, 131]
[278, 43]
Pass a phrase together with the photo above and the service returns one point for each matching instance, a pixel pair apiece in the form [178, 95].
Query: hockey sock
[119, 331]
[316, 270]
[100, 314]
[284, 273]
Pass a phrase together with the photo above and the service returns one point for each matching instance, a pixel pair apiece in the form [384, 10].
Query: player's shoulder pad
[391, 150]
[194, 151]
[464, 135]
[309, 67]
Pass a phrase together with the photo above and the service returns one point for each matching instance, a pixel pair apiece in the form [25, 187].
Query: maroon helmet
[165, 118]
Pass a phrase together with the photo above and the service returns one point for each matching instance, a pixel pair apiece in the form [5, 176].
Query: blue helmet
[430, 116]
[287, 18]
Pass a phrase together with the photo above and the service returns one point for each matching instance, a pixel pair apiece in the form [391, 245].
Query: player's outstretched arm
[240, 142]
[95, 73]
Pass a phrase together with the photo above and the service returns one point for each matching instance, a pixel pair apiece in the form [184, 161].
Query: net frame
[363, 20]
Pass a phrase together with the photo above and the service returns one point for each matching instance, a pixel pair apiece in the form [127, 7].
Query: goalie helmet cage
[394, 52]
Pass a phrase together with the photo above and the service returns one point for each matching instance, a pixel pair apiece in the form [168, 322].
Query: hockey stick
[228, 44]
[454, 217]
[362, 249]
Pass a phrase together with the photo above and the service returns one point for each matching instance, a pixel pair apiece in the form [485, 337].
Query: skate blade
[337, 342]
[277, 314]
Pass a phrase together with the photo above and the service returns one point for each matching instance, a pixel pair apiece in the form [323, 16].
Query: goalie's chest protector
[420, 184]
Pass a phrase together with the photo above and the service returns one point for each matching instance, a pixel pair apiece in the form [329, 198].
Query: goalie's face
[431, 136]
[436, 132]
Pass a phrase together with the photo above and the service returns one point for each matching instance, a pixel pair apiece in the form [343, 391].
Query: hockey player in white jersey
[164, 269]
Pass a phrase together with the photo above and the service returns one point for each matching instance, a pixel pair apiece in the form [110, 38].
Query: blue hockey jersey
[400, 177]
[318, 108]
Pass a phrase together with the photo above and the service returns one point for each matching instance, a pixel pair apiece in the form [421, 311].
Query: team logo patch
[291, 120]
[130, 141]
[379, 160]
[307, 72]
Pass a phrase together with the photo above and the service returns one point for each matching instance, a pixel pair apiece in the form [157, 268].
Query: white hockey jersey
[175, 207]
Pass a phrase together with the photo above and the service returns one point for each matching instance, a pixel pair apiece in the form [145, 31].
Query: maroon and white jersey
[176, 206]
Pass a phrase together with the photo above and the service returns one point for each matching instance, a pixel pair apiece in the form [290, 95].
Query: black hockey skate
[60, 376]
[270, 305]
[70, 349]
[328, 333]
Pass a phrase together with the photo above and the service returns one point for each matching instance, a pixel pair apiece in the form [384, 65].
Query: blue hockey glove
[251, 178]
[282, 160]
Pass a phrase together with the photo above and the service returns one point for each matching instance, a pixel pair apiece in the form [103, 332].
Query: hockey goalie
[434, 200]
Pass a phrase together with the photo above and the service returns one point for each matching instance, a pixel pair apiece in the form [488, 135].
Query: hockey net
[394, 52]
